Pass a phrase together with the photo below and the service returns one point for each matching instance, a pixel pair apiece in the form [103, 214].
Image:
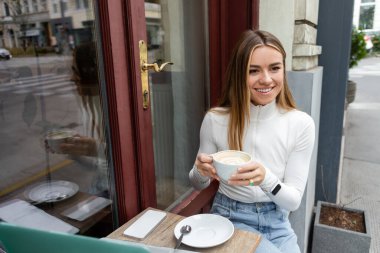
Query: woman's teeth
[264, 90]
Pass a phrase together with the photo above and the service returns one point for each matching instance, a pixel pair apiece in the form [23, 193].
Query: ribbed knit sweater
[282, 141]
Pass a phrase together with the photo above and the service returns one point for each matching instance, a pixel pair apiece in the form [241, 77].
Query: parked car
[5, 54]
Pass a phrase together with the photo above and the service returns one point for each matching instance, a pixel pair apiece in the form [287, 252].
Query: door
[197, 37]
[163, 134]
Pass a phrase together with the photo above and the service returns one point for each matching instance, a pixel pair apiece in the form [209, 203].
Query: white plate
[207, 230]
[47, 191]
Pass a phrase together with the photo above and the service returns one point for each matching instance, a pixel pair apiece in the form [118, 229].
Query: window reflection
[53, 153]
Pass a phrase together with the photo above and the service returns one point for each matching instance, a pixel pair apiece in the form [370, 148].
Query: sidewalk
[360, 178]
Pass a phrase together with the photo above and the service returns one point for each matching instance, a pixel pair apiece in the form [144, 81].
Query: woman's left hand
[250, 174]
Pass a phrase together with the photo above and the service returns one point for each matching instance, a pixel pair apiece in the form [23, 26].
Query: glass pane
[366, 17]
[53, 153]
[179, 94]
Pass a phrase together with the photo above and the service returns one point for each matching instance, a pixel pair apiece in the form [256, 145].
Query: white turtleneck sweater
[282, 141]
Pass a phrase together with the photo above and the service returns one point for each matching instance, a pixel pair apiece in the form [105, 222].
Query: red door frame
[122, 25]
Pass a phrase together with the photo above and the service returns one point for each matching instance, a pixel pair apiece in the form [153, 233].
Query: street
[363, 115]
[361, 162]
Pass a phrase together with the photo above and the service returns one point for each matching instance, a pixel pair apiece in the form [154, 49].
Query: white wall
[277, 17]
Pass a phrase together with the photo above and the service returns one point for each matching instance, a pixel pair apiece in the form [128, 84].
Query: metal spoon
[184, 230]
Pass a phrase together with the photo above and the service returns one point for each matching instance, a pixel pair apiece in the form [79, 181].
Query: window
[43, 5]
[64, 6]
[6, 8]
[55, 8]
[18, 8]
[58, 92]
[35, 5]
[81, 4]
[77, 4]
[26, 6]
[367, 11]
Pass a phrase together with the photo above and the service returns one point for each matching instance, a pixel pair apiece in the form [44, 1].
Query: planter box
[351, 91]
[331, 239]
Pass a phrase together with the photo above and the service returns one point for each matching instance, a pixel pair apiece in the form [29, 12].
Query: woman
[257, 114]
[89, 148]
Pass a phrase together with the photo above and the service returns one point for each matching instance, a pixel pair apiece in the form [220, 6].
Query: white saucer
[207, 230]
[52, 191]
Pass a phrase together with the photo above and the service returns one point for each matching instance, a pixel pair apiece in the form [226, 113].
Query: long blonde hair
[235, 95]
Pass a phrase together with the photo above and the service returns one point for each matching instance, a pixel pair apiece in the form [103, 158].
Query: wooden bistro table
[163, 236]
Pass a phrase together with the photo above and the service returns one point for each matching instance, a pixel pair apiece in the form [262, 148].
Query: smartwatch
[276, 189]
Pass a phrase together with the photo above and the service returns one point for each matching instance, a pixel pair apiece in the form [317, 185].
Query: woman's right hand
[203, 164]
[80, 146]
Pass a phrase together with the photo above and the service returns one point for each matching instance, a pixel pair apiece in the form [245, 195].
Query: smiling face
[265, 74]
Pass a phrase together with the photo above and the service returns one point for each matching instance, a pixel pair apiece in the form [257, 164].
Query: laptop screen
[16, 239]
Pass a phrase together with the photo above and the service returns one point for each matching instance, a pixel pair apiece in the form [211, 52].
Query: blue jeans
[265, 218]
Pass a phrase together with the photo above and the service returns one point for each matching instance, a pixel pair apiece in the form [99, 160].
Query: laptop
[17, 239]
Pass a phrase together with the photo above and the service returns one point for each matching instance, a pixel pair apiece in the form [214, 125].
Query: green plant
[358, 50]
[376, 43]
[30, 51]
[16, 51]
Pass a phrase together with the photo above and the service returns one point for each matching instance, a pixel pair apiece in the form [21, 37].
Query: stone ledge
[304, 34]
[305, 62]
[306, 50]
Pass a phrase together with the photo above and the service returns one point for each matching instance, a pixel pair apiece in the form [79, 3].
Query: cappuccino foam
[232, 157]
[233, 160]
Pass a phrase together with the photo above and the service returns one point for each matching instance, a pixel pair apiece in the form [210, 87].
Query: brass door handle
[144, 68]
[147, 66]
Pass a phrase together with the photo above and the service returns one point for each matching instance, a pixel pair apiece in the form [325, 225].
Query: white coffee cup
[56, 137]
[226, 162]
